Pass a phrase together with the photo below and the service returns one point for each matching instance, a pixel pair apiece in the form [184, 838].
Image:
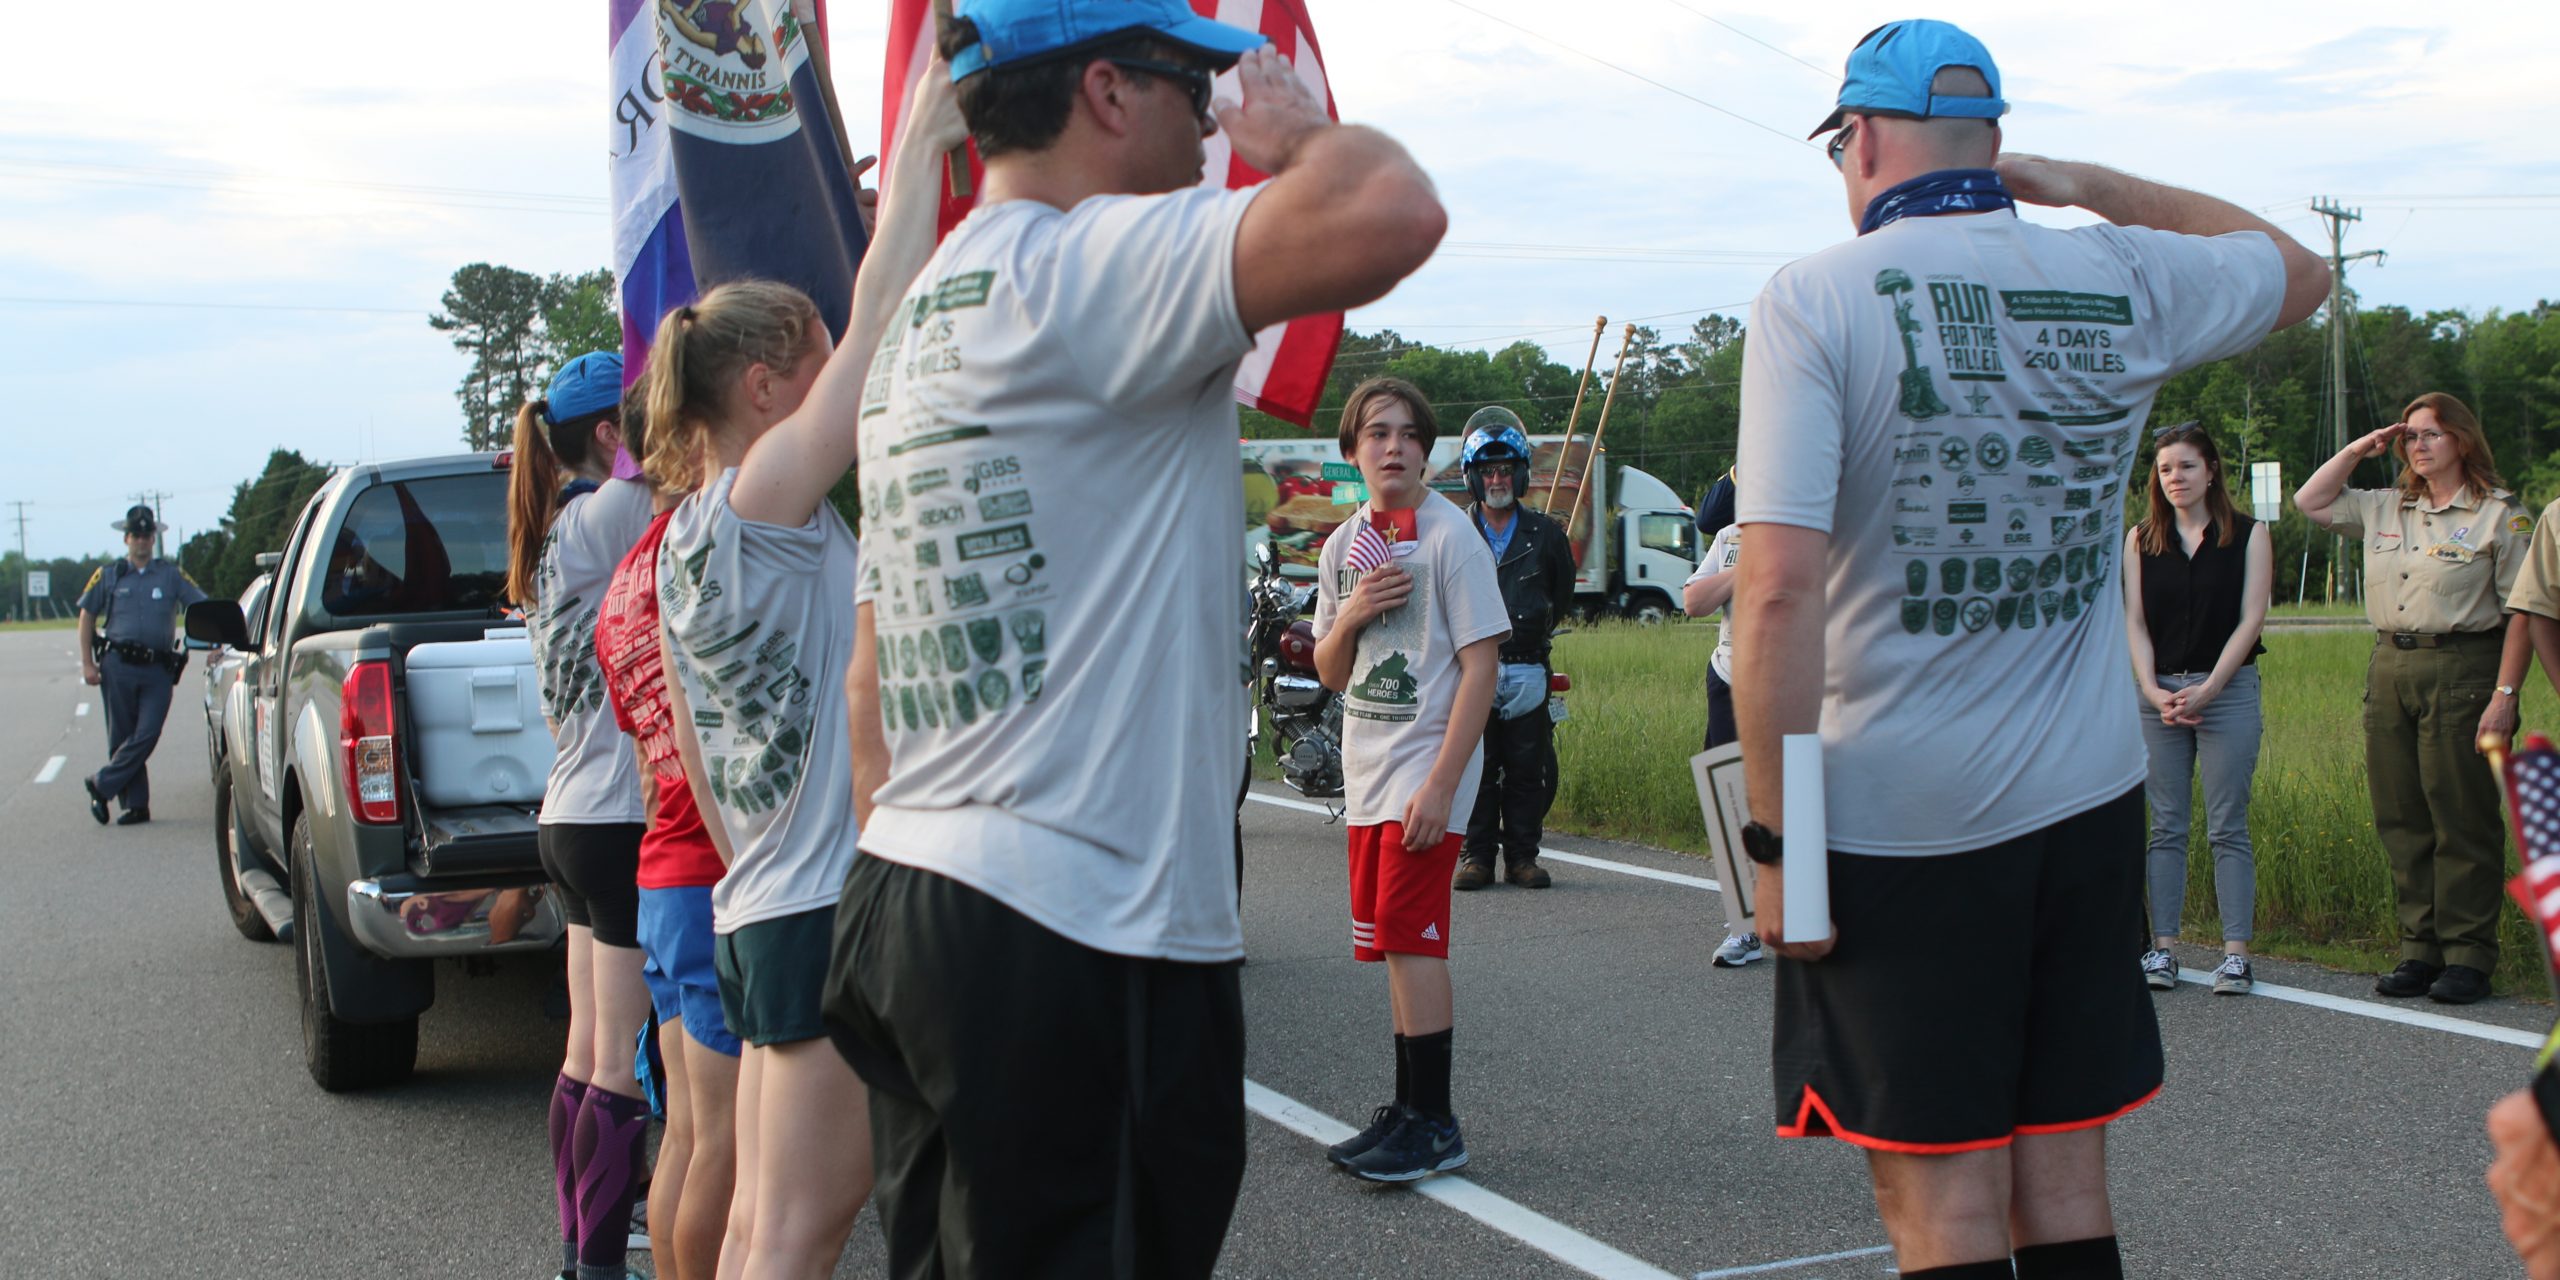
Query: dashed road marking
[52, 769]
[1765, 1268]
[82, 710]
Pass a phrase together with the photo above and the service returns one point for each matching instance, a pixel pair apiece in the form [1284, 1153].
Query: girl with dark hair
[569, 523]
[2442, 549]
[2196, 579]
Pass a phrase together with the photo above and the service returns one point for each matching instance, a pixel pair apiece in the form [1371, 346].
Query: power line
[1816, 68]
[1626, 71]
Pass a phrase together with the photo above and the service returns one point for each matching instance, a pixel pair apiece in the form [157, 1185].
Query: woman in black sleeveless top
[2196, 578]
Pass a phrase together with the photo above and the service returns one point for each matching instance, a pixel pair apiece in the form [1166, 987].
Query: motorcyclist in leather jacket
[1533, 560]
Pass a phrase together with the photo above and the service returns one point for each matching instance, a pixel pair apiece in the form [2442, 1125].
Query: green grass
[2324, 888]
[2317, 609]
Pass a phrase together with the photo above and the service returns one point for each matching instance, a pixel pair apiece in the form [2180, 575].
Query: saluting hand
[1278, 114]
[2036, 180]
[2377, 443]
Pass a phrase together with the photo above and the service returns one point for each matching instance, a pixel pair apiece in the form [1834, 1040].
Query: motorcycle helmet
[1495, 438]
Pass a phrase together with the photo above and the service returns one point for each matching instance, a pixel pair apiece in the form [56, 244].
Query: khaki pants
[2435, 802]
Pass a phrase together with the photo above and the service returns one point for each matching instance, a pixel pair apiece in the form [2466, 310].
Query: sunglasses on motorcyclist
[1194, 81]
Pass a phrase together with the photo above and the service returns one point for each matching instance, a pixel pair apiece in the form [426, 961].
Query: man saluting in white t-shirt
[1938, 420]
[1035, 961]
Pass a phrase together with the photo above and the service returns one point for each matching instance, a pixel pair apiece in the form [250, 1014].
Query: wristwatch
[1762, 845]
[2507, 690]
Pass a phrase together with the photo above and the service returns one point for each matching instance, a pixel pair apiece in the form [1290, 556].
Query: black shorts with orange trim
[1975, 996]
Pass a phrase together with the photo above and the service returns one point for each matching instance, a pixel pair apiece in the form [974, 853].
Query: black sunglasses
[1839, 143]
[1198, 83]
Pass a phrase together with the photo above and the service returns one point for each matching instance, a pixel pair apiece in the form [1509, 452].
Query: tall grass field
[2324, 887]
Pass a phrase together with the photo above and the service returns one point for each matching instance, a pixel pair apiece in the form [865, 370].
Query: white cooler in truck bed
[480, 736]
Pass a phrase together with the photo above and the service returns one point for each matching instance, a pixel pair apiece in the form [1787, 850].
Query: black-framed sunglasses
[1839, 144]
[1198, 83]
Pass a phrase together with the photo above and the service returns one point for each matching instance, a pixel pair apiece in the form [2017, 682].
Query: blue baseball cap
[1013, 32]
[589, 384]
[1890, 71]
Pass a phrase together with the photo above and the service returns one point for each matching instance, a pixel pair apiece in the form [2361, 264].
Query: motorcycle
[1280, 648]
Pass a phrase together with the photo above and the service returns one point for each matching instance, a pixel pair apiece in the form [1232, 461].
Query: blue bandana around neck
[1946, 191]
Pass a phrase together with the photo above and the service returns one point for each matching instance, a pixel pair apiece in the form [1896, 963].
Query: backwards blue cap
[589, 384]
[1890, 71]
[1019, 31]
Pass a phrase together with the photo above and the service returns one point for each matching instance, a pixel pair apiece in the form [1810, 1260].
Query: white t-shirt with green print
[1960, 402]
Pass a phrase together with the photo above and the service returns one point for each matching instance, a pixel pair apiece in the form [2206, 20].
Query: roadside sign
[39, 583]
[2266, 490]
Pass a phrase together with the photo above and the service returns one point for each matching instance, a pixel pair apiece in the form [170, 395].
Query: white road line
[52, 769]
[2383, 1012]
[1577, 859]
[1507, 1216]
[2291, 995]
[1791, 1263]
[82, 710]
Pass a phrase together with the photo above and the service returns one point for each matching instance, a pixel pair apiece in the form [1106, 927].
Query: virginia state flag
[649, 255]
[1285, 373]
[754, 169]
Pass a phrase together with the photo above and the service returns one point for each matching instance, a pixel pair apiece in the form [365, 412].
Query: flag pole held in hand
[955, 163]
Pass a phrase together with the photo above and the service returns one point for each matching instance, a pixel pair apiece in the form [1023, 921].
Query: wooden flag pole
[955, 164]
[1598, 327]
[1591, 459]
[810, 31]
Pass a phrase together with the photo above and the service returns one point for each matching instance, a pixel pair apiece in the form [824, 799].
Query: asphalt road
[1614, 1087]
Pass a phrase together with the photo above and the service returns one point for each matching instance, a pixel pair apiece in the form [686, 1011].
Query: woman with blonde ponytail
[568, 523]
[756, 576]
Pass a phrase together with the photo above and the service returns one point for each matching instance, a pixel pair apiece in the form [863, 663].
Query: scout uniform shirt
[2435, 570]
[2537, 588]
[140, 606]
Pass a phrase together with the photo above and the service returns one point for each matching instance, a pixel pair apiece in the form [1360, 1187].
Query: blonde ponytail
[699, 352]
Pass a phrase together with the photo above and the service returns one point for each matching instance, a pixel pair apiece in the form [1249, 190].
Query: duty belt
[135, 651]
[2414, 640]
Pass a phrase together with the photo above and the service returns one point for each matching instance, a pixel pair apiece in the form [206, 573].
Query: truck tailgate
[477, 841]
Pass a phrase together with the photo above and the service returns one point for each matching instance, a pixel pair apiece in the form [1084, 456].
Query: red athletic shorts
[1399, 898]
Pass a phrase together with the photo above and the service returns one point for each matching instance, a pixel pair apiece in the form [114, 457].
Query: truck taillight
[370, 738]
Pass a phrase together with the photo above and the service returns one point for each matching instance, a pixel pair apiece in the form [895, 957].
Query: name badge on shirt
[155, 593]
[2453, 552]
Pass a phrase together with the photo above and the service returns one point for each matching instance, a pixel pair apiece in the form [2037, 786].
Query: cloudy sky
[221, 235]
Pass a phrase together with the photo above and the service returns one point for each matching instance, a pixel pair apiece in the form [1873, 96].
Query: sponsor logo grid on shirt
[953, 585]
[2005, 514]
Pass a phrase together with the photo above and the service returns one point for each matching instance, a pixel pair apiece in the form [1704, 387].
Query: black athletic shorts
[596, 867]
[772, 974]
[1976, 996]
[1038, 1108]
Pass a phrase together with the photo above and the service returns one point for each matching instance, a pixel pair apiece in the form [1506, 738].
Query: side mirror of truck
[218, 622]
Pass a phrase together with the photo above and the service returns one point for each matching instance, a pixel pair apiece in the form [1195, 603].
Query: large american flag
[1284, 375]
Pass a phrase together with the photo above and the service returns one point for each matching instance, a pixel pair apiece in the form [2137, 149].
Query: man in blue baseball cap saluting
[1036, 953]
[1939, 419]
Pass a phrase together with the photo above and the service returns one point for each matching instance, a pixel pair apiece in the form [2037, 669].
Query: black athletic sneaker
[2412, 978]
[1381, 1122]
[1416, 1148]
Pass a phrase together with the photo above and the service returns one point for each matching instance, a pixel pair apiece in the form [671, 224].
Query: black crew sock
[2094, 1259]
[1404, 1072]
[1429, 1058]
[1996, 1269]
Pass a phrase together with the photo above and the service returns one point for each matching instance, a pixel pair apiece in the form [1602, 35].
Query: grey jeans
[2225, 750]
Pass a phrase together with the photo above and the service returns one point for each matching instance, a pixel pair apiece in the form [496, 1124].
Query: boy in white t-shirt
[1409, 619]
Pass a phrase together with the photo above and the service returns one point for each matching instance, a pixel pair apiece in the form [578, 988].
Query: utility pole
[25, 601]
[2338, 217]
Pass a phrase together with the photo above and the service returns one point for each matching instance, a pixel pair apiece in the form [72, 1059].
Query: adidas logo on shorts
[1431, 932]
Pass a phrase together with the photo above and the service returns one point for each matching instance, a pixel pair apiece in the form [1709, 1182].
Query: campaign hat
[1890, 71]
[138, 519]
[1017, 32]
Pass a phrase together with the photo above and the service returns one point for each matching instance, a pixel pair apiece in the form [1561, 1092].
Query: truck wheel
[226, 859]
[341, 1055]
[1649, 610]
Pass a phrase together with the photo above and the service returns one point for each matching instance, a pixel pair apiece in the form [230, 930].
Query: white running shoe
[1737, 950]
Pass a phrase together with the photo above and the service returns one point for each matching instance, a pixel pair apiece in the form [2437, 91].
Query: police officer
[2442, 548]
[1534, 562]
[128, 645]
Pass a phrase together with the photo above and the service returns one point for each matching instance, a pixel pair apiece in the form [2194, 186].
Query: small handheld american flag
[2533, 802]
[1368, 550]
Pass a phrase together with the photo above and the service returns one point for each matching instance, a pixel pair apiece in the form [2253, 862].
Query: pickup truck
[222, 670]
[380, 755]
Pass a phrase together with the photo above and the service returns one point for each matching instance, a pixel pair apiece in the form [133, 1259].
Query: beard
[1498, 499]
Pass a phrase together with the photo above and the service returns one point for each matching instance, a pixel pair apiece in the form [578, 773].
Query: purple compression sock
[568, 1097]
[609, 1135]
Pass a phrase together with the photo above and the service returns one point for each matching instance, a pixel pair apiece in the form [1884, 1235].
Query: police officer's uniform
[138, 664]
[2436, 582]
